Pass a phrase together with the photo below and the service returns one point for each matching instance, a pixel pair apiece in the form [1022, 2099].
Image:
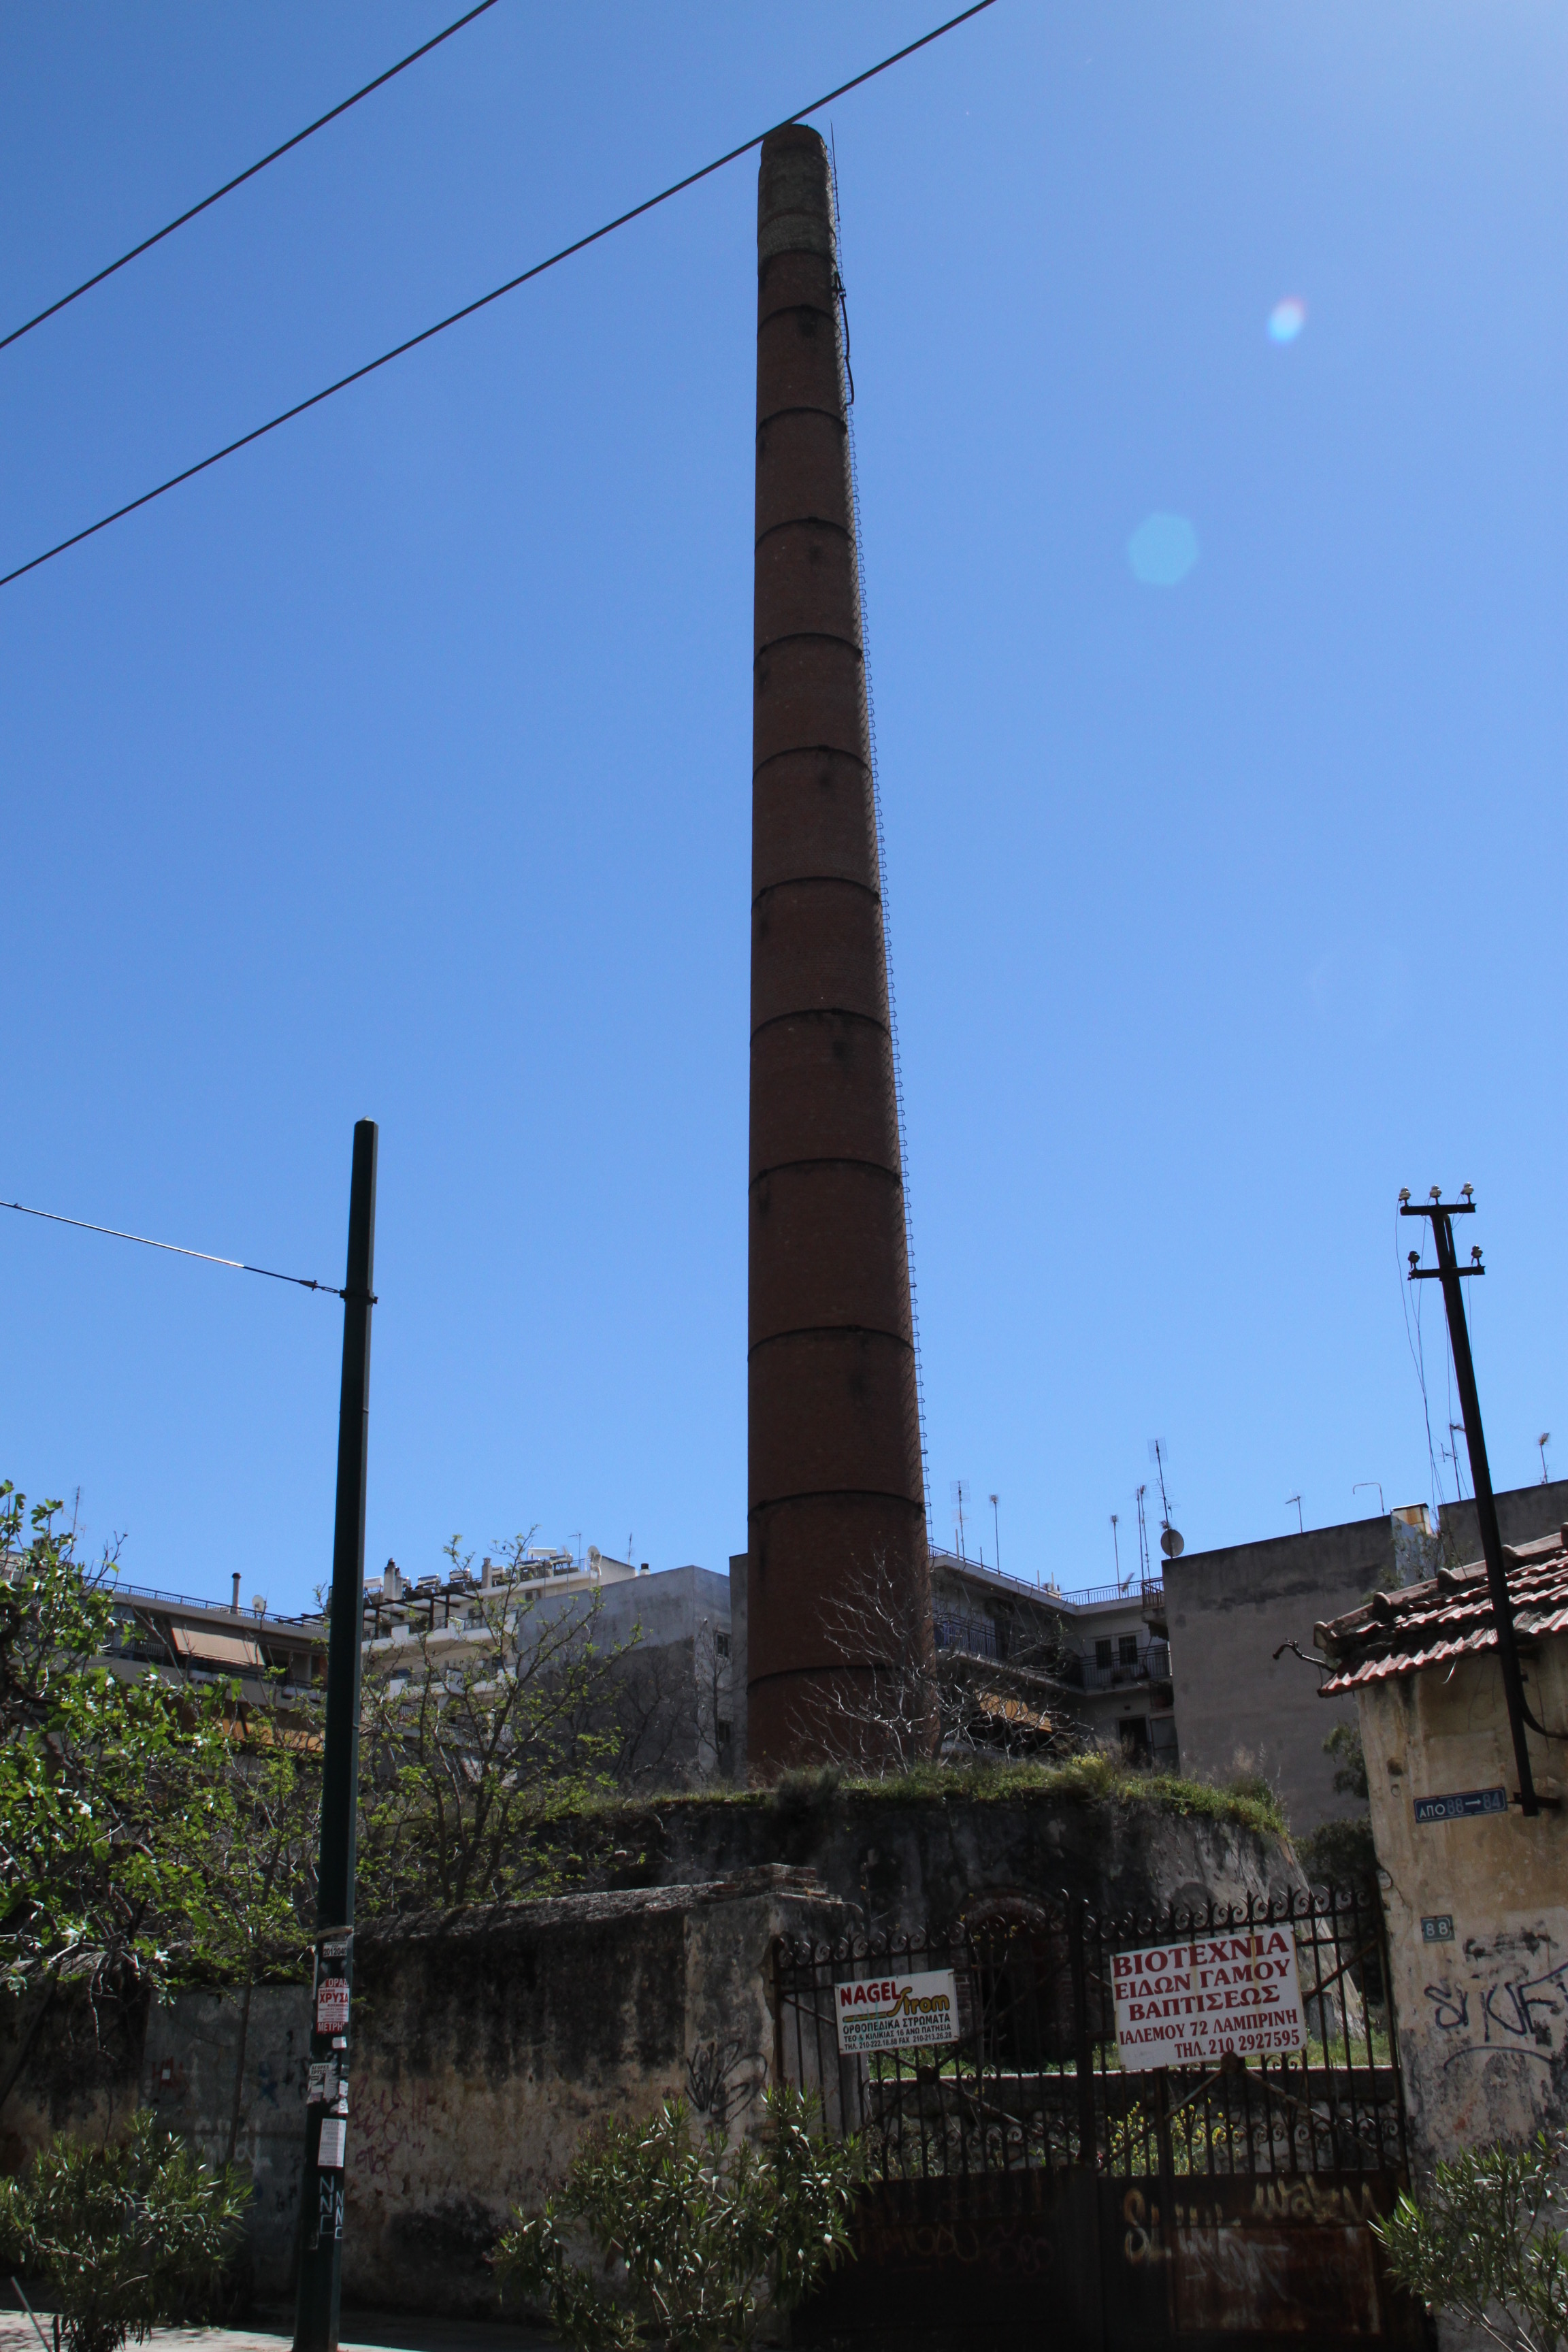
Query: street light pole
[327, 2098]
[1450, 1273]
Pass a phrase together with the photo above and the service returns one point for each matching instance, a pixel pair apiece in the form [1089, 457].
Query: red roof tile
[1448, 1617]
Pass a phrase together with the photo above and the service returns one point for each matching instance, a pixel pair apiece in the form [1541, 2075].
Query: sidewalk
[362, 2331]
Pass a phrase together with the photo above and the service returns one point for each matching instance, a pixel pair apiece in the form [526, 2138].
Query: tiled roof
[1447, 1617]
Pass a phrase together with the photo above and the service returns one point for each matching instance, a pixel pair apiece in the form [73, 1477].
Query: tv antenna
[1543, 1441]
[1116, 1547]
[1300, 1522]
[1172, 1543]
[960, 1496]
[996, 1528]
[1142, 1535]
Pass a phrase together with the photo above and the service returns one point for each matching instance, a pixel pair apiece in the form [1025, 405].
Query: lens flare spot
[1163, 550]
[1287, 320]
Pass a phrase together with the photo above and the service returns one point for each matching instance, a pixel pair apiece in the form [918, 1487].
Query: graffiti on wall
[1511, 1998]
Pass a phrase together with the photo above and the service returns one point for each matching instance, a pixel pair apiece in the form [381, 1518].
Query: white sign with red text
[896, 2013]
[1180, 2003]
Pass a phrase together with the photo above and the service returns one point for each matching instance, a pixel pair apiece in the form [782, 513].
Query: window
[1102, 1656]
[721, 1643]
[1162, 1739]
[1127, 1650]
[1134, 1730]
[723, 1733]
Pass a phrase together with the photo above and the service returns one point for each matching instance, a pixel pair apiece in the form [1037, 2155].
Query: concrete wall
[80, 2075]
[1229, 1609]
[192, 2058]
[1482, 2014]
[902, 1861]
[485, 2045]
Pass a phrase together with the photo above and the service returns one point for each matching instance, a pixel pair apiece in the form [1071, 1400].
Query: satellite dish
[1171, 1544]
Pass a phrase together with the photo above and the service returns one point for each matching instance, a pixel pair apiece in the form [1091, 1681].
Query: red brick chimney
[837, 1494]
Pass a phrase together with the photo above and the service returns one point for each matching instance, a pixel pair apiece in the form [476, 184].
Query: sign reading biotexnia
[1179, 2004]
[896, 2013]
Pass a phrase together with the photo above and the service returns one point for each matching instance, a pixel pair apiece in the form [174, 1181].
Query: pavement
[361, 2331]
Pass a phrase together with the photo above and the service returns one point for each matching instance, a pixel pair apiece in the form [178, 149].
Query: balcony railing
[1151, 1664]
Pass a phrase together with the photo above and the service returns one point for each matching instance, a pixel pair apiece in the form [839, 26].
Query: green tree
[1489, 2242]
[701, 2236]
[126, 2238]
[484, 1740]
[110, 1790]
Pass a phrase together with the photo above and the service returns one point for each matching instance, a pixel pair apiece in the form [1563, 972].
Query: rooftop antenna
[1172, 1542]
[1300, 1522]
[1143, 1536]
[1362, 1483]
[1451, 1452]
[1543, 1441]
[1116, 1547]
[960, 1496]
[996, 1530]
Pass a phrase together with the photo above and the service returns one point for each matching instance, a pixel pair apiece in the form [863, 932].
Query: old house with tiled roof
[1476, 1893]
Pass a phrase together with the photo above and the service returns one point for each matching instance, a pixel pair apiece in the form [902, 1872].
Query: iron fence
[1035, 2081]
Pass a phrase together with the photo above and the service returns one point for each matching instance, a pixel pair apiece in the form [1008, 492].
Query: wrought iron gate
[1020, 2177]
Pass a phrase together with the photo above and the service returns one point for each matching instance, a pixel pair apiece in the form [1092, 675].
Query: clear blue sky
[400, 766]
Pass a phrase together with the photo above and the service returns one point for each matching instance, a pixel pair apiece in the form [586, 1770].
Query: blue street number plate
[1462, 1805]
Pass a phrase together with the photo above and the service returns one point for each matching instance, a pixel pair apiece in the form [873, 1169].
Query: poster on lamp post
[1188, 2002]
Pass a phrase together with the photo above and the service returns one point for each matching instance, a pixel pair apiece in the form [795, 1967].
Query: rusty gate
[1020, 2179]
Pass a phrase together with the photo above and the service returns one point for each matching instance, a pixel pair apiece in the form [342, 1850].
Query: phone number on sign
[1215, 2045]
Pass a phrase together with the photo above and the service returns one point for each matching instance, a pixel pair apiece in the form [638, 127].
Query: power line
[580, 245]
[176, 1248]
[240, 178]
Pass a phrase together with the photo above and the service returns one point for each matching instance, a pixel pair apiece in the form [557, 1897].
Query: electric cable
[579, 245]
[240, 178]
[176, 1249]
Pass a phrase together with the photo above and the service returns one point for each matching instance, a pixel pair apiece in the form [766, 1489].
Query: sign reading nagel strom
[1179, 2004]
[896, 2013]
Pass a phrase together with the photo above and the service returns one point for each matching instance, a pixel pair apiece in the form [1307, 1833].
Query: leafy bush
[1487, 2242]
[127, 2238]
[700, 2231]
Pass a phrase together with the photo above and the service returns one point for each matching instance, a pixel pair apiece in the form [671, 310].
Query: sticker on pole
[1180, 2004]
[896, 2013]
[334, 2132]
[331, 2004]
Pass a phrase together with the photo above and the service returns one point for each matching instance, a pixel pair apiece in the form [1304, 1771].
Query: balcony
[1132, 1664]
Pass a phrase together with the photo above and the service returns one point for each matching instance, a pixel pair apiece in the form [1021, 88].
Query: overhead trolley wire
[240, 178]
[175, 1249]
[579, 245]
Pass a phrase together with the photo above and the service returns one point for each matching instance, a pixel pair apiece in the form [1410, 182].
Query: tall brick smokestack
[836, 1495]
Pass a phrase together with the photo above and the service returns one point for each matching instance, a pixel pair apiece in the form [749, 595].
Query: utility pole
[327, 2097]
[1450, 1274]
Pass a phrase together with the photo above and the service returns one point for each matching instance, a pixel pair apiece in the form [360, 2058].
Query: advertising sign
[1184, 2004]
[896, 2013]
[331, 2004]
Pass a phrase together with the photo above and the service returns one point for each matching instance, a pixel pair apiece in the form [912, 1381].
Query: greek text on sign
[896, 2013]
[1179, 2004]
[333, 2005]
[1463, 1805]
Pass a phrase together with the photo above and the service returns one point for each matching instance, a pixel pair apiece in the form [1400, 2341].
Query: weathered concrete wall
[1483, 2016]
[902, 1861]
[485, 2045]
[1230, 1609]
[192, 2058]
[80, 2073]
